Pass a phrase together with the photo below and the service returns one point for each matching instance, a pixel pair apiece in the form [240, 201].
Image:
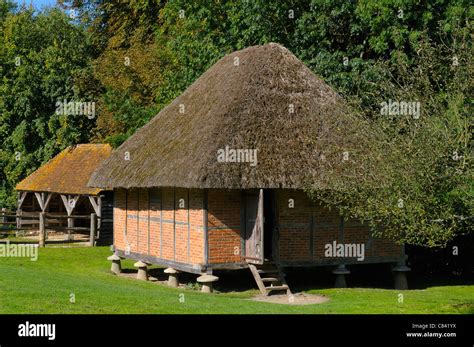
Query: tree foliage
[41, 56]
[143, 54]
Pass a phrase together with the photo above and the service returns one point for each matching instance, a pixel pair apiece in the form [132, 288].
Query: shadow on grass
[370, 276]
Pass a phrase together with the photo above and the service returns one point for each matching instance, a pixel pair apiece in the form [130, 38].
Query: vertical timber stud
[113, 217]
[148, 224]
[161, 222]
[93, 230]
[174, 223]
[311, 235]
[42, 230]
[276, 228]
[242, 224]
[205, 226]
[189, 229]
[126, 212]
[138, 218]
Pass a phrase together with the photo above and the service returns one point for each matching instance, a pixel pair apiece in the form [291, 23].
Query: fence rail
[43, 220]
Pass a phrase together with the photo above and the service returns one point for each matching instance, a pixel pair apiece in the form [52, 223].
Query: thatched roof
[68, 172]
[244, 101]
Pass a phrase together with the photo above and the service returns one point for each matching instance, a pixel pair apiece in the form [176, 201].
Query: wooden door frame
[243, 219]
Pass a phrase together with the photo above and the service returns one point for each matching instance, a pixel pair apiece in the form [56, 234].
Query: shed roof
[261, 98]
[69, 171]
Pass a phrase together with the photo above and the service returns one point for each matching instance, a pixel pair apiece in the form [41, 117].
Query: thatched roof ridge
[261, 98]
[68, 172]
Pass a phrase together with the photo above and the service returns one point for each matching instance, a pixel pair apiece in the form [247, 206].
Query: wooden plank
[254, 229]
[250, 258]
[258, 279]
[95, 204]
[191, 268]
[69, 202]
[39, 198]
[48, 200]
[274, 288]
[75, 216]
[21, 198]
[270, 279]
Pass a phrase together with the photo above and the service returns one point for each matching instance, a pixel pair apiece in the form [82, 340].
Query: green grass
[45, 286]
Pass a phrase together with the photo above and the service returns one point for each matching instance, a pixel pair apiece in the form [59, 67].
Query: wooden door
[253, 208]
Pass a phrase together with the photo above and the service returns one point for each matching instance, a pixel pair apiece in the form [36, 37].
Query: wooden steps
[269, 273]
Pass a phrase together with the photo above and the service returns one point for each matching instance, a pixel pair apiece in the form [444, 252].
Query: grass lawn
[46, 285]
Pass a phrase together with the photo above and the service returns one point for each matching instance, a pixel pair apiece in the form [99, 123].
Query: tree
[41, 55]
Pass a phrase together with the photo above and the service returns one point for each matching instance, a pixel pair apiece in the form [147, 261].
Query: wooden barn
[59, 188]
[216, 180]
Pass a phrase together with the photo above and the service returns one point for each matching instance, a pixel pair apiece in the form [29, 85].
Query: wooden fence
[12, 222]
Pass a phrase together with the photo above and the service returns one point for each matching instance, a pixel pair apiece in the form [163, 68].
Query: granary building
[216, 180]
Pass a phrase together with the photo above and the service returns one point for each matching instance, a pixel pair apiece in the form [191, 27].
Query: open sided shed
[216, 180]
[59, 187]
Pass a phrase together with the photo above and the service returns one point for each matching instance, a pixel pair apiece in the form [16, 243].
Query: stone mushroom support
[206, 281]
[142, 273]
[341, 271]
[399, 276]
[116, 267]
[172, 276]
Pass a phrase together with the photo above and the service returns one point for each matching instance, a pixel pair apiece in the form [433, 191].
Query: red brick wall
[120, 218]
[152, 222]
[295, 234]
[224, 226]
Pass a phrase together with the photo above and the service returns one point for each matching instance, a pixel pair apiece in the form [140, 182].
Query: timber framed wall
[199, 230]
[162, 226]
[305, 227]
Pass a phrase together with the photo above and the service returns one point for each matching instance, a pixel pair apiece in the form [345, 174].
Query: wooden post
[18, 218]
[93, 229]
[99, 216]
[42, 230]
[4, 219]
[70, 224]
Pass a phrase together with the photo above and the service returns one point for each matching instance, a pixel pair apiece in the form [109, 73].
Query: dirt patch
[295, 299]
